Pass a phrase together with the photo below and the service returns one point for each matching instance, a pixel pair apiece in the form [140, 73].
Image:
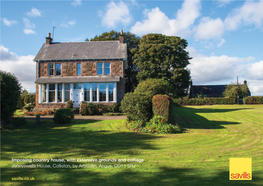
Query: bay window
[102, 90]
[86, 91]
[66, 92]
[51, 93]
[94, 91]
[44, 93]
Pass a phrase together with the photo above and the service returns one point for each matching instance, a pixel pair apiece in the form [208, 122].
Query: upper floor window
[106, 68]
[103, 68]
[51, 69]
[99, 68]
[58, 69]
[54, 69]
[78, 69]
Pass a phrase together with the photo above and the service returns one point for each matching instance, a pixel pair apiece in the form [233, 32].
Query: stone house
[90, 71]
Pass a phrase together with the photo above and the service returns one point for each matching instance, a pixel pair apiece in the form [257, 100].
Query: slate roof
[77, 79]
[208, 90]
[83, 50]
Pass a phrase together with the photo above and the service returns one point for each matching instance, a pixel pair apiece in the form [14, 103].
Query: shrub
[153, 87]
[137, 106]
[162, 105]
[47, 112]
[29, 113]
[253, 100]
[115, 107]
[91, 109]
[204, 101]
[69, 104]
[63, 116]
[37, 113]
[83, 108]
[30, 98]
[29, 107]
[135, 125]
[158, 124]
[10, 92]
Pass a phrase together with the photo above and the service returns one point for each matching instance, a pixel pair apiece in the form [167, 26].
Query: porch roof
[77, 79]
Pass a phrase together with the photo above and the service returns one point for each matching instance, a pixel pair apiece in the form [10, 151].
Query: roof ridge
[86, 41]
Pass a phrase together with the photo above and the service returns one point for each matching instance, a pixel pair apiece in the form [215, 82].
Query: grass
[199, 156]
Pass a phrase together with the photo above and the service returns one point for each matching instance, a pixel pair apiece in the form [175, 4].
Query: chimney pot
[48, 39]
[121, 37]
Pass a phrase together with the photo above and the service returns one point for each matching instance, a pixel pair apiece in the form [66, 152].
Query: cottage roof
[82, 50]
[208, 90]
[77, 79]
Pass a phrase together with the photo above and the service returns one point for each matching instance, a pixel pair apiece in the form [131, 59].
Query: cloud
[20, 66]
[209, 28]
[224, 2]
[249, 14]
[69, 23]
[29, 31]
[255, 71]
[224, 69]
[28, 24]
[34, 13]
[157, 22]
[9, 22]
[76, 3]
[115, 14]
[222, 41]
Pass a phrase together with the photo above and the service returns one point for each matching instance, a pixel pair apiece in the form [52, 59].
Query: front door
[76, 98]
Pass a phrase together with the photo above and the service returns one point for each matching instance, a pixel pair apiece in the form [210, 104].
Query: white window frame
[82, 92]
[103, 68]
[55, 69]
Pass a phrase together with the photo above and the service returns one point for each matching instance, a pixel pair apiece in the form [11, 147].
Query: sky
[224, 36]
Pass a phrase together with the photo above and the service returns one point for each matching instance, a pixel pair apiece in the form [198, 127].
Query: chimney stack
[48, 39]
[245, 82]
[121, 37]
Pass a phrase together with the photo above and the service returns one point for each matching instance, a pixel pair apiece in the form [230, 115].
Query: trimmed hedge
[204, 101]
[162, 106]
[63, 116]
[253, 100]
[137, 106]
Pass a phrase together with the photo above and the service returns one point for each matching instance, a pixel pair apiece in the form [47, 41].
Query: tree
[10, 92]
[232, 90]
[132, 42]
[163, 57]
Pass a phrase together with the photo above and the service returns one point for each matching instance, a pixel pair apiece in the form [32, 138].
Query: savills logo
[240, 169]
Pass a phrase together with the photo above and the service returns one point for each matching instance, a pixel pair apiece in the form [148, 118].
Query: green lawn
[199, 156]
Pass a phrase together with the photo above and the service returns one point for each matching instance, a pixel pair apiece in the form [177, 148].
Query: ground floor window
[89, 92]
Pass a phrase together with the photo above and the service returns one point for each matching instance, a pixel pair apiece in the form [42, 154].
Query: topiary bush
[253, 100]
[153, 87]
[162, 106]
[137, 106]
[63, 116]
[69, 104]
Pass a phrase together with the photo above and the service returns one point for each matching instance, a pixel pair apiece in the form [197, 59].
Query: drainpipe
[38, 70]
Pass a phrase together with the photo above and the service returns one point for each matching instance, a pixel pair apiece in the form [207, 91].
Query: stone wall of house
[88, 68]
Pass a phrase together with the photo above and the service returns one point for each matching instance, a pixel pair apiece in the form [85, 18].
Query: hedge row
[253, 100]
[98, 109]
[204, 101]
